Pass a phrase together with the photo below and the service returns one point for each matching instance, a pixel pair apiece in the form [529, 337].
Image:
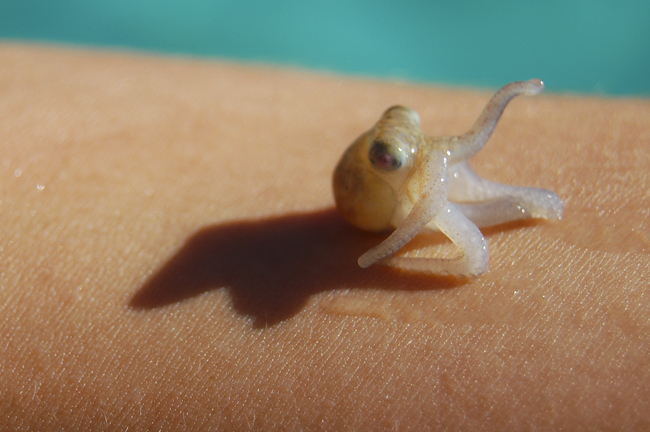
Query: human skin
[170, 258]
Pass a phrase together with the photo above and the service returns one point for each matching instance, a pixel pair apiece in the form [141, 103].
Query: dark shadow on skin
[271, 267]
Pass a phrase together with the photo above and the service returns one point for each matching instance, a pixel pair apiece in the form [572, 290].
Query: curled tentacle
[467, 145]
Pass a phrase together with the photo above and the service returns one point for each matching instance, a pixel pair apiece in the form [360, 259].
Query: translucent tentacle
[472, 259]
[467, 145]
[494, 203]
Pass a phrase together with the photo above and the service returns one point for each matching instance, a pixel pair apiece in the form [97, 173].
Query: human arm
[170, 258]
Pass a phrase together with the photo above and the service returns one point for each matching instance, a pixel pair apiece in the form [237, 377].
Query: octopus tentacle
[473, 256]
[471, 142]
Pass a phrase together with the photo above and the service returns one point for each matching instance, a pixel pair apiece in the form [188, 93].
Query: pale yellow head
[370, 180]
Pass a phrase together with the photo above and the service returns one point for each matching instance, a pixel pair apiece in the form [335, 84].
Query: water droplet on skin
[18, 173]
[40, 187]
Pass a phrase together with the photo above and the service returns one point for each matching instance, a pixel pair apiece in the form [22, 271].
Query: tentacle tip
[478, 268]
[481, 271]
[471, 272]
[556, 207]
[364, 262]
[535, 86]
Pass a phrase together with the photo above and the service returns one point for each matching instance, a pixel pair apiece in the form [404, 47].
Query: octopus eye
[386, 157]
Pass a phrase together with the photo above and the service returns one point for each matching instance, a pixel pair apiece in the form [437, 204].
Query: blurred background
[592, 46]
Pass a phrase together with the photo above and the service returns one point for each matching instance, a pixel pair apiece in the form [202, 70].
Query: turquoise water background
[573, 45]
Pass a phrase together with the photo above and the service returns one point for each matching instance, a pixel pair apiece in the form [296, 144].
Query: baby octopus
[394, 176]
